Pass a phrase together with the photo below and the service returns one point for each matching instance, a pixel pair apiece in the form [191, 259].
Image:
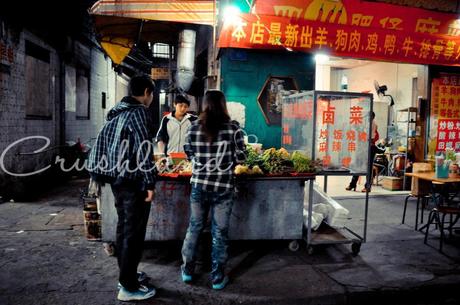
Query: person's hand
[150, 195]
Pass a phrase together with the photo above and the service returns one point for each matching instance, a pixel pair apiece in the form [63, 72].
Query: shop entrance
[391, 83]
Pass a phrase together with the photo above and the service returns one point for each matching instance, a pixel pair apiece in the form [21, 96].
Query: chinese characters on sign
[339, 141]
[445, 109]
[448, 134]
[333, 128]
[373, 35]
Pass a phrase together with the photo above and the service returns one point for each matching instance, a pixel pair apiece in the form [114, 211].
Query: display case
[336, 128]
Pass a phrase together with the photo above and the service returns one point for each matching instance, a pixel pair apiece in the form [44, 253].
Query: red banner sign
[445, 108]
[448, 135]
[349, 28]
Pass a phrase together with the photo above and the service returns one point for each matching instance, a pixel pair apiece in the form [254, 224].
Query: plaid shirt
[213, 163]
[127, 122]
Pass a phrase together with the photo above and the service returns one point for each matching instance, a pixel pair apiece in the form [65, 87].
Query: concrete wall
[397, 77]
[102, 79]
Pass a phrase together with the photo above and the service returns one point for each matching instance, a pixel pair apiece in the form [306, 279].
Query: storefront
[368, 43]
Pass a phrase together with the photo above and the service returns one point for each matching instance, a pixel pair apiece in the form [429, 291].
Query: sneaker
[220, 285]
[186, 278]
[142, 293]
[141, 276]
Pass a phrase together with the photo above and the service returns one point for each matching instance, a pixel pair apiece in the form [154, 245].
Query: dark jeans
[133, 213]
[354, 179]
[220, 205]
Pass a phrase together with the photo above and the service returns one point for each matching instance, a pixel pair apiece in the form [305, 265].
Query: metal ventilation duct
[185, 60]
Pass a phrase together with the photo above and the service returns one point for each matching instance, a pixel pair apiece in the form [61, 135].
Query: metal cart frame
[326, 235]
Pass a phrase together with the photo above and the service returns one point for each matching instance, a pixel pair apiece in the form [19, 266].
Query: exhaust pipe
[186, 60]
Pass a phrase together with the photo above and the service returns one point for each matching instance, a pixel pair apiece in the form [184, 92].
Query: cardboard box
[418, 186]
[392, 183]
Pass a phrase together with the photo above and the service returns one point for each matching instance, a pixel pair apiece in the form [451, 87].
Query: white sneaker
[142, 293]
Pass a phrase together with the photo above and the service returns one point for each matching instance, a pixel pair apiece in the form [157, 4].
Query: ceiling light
[231, 14]
[321, 58]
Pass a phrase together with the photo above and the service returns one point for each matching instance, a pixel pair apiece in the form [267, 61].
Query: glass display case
[334, 127]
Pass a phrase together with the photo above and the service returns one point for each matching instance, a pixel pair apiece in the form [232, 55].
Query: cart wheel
[294, 246]
[355, 248]
[310, 250]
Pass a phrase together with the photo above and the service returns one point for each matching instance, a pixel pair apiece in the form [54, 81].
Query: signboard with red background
[348, 28]
[445, 111]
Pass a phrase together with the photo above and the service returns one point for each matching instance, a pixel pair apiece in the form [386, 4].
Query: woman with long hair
[215, 145]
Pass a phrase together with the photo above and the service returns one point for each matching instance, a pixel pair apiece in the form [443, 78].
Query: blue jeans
[220, 205]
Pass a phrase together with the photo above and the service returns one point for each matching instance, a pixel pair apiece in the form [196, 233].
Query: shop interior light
[321, 58]
[231, 14]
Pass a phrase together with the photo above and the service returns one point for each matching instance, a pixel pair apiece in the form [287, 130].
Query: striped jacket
[213, 163]
[172, 132]
[123, 148]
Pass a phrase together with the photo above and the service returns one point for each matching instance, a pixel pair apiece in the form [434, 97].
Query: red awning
[184, 11]
[118, 22]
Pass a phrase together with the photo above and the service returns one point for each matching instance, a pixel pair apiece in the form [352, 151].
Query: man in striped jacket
[174, 126]
[122, 156]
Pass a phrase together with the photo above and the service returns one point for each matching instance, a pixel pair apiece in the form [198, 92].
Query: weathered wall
[14, 124]
[243, 78]
[17, 78]
[102, 79]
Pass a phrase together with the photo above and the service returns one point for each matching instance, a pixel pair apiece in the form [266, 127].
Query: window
[37, 75]
[82, 94]
[161, 50]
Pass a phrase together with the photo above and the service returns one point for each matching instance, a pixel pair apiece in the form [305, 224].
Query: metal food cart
[265, 208]
[321, 124]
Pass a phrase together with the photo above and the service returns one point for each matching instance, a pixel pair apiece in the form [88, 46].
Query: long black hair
[214, 115]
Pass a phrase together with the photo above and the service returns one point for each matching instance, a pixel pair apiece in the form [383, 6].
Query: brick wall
[14, 124]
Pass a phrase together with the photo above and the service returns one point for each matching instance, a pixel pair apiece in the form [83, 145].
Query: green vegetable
[302, 163]
[252, 157]
[276, 161]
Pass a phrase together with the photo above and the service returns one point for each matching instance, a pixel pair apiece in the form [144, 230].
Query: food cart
[264, 208]
[334, 127]
[270, 206]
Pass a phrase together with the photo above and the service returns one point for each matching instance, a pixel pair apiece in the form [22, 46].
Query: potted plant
[452, 160]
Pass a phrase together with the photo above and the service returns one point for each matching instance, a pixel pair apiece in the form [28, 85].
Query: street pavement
[46, 259]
